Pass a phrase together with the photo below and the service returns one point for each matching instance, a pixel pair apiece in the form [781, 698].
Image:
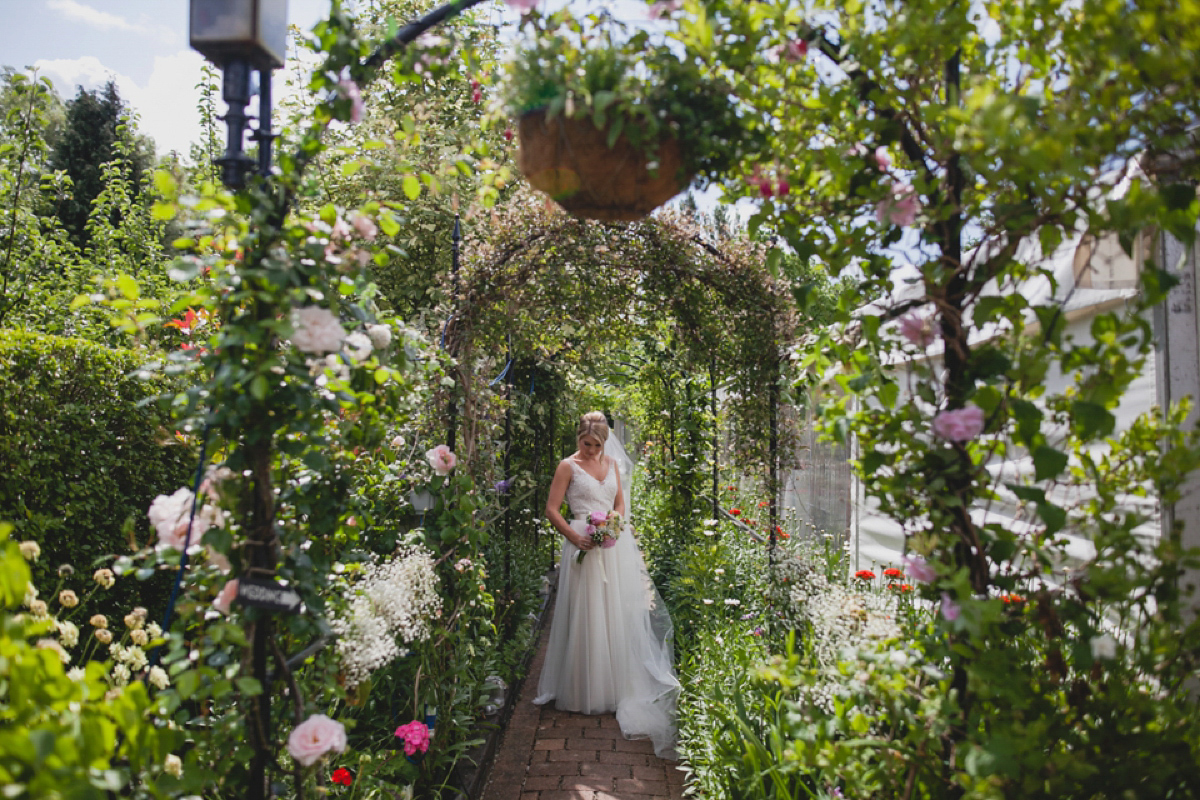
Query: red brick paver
[547, 754]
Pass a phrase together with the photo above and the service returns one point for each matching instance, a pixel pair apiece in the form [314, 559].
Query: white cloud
[78, 12]
[165, 104]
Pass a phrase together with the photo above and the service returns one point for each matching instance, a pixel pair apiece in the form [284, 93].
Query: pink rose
[442, 459]
[959, 425]
[918, 329]
[900, 207]
[920, 569]
[350, 90]
[415, 736]
[598, 518]
[950, 609]
[225, 597]
[365, 227]
[608, 542]
[316, 736]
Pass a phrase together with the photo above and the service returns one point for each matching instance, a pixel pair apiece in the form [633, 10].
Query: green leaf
[1048, 462]
[1092, 420]
[165, 183]
[128, 287]
[258, 387]
[411, 186]
[388, 224]
[249, 687]
[1054, 516]
[162, 211]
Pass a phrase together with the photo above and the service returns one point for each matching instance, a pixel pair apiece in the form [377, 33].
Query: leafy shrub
[82, 454]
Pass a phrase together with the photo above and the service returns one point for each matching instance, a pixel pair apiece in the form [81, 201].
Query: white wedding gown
[610, 643]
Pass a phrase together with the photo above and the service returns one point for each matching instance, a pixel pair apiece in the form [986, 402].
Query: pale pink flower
[442, 459]
[918, 329]
[415, 736]
[350, 90]
[960, 424]
[950, 609]
[524, 6]
[317, 330]
[919, 569]
[857, 151]
[882, 158]
[312, 739]
[365, 226]
[598, 518]
[341, 230]
[900, 207]
[226, 596]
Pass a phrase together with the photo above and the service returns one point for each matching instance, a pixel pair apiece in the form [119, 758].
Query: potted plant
[611, 130]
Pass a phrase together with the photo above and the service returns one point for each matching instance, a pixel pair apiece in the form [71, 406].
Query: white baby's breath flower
[121, 674]
[76, 673]
[155, 630]
[389, 607]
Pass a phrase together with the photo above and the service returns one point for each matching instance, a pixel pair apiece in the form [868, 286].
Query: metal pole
[774, 457]
[235, 91]
[263, 135]
[508, 395]
[716, 452]
[455, 238]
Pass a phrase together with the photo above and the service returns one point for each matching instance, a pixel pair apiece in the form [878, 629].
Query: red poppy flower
[342, 777]
[892, 572]
[865, 575]
[764, 503]
[900, 587]
[1012, 599]
[737, 512]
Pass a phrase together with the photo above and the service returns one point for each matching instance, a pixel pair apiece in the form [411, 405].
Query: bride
[610, 643]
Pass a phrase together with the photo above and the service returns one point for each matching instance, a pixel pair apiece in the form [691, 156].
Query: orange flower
[892, 572]
[865, 575]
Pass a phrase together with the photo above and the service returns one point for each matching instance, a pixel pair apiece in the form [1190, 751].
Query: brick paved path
[547, 754]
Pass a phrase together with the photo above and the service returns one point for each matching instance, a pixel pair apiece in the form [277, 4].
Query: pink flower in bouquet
[608, 542]
[415, 736]
[442, 459]
[598, 518]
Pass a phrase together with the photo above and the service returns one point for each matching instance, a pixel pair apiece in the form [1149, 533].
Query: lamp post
[240, 37]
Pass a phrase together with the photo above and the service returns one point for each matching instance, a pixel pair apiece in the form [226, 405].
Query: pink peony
[225, 597]
[442, 459]
[920, 569]
[415, 736]
[350, 90]
[950, 609]
[918, 329]
[900, 207]
[316, 736]
[882, 158]
[598, 518]
[608, 542]
[959, 425]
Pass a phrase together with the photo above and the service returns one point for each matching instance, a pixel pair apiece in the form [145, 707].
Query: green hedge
[81, 457]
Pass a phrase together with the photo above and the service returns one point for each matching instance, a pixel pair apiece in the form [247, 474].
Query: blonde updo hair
[592, 423]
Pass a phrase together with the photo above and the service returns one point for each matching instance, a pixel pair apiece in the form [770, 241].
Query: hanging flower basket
[570, 160]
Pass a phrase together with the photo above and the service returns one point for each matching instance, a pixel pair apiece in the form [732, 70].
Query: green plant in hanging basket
[611, 130]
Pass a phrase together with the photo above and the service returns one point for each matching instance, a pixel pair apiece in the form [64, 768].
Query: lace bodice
[585, 494]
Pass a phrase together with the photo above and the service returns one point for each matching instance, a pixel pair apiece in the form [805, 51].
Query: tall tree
[95, 121]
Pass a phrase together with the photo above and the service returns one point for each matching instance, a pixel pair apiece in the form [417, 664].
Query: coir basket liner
[570, 160]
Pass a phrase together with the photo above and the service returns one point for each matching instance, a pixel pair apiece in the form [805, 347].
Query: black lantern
[241, 36]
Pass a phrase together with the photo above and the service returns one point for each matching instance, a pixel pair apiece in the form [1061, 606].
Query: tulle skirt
[610, 645]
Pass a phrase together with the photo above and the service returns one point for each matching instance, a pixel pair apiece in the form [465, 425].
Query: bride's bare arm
[554, 501]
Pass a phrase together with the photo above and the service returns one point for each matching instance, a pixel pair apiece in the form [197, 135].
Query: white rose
[317, 330]
[381, 335]
[358, 346]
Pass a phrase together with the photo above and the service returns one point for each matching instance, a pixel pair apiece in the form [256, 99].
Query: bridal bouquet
[604, 529]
